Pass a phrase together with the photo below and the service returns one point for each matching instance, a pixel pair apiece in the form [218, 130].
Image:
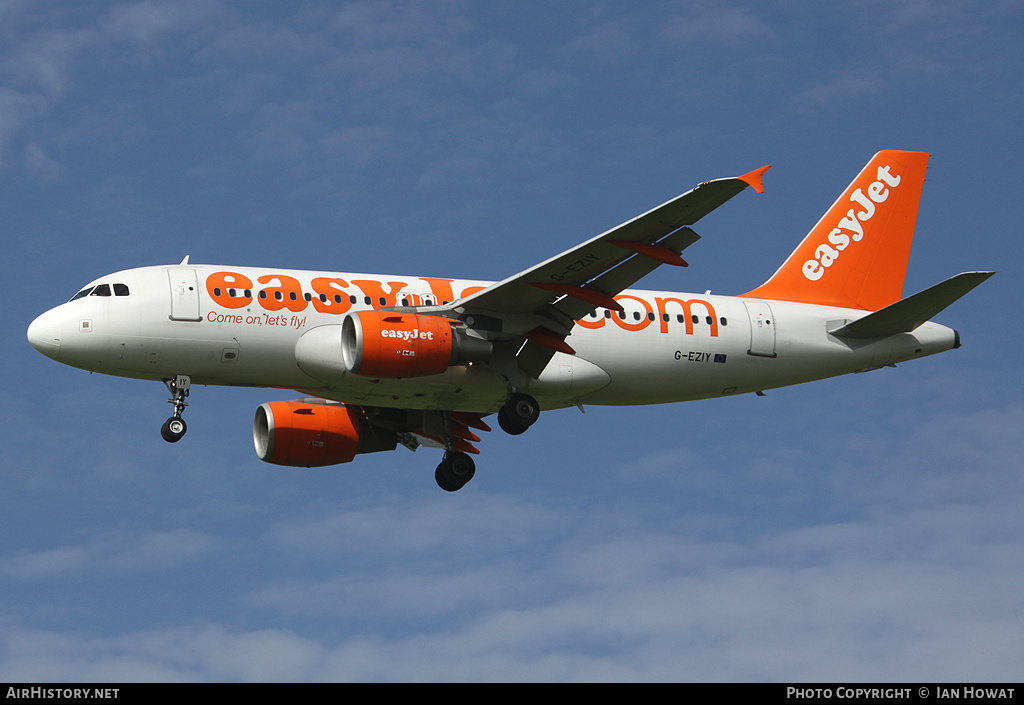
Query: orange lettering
[229, 289]
[687, 315]
[639, 325]
[471, 290]
[592, 324]
[288, 295]
[441, 289]
[332, 297]
[376, 292]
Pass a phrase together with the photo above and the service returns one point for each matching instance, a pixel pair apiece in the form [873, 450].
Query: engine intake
[314, 434]
[392, 345]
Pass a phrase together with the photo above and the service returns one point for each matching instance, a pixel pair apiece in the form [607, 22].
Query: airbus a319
[388, 360]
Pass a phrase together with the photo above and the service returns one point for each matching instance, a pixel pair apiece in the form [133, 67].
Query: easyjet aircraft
[385, 360]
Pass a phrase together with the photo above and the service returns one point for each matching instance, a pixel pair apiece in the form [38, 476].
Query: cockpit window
[102, 290]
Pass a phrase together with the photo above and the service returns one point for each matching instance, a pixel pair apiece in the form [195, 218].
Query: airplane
[421, 361]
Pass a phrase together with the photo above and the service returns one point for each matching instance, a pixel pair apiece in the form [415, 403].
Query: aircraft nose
[44, 334]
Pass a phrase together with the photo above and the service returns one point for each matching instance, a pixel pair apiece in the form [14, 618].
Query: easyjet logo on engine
[850, 228]
[407, 334]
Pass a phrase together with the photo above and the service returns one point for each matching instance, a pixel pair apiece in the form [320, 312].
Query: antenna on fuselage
[184, 261]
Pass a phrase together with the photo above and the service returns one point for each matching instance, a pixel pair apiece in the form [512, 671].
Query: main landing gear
[174, 428]
[457, 468]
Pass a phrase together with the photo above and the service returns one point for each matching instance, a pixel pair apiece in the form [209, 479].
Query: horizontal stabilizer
[906, 315]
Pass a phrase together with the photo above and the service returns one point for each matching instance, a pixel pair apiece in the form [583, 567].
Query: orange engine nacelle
[391, 344]
[315, 434]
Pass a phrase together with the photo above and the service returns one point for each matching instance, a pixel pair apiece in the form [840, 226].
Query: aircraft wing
[543, 302]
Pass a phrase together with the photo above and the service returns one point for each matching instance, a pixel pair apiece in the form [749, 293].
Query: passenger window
[101, 290]
[120, 290]
[723, 321]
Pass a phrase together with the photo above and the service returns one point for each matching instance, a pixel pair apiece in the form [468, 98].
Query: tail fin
[856, 256]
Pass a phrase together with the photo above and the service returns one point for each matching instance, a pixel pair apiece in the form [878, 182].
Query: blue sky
[863, 528]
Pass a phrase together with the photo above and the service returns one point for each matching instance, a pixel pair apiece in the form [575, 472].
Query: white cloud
[142, 23]
[40, 60]
[42, 164]
[113, 554]
[47, 563]
[16, 109]
[723, 27]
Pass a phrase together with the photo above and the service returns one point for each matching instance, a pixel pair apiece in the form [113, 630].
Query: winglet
[753, 178]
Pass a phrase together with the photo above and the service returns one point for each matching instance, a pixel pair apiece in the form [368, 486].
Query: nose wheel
[174, 428]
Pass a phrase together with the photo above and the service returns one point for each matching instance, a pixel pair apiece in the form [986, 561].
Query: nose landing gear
[174, 428]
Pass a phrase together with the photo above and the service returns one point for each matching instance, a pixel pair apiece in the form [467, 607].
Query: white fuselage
[665, 347]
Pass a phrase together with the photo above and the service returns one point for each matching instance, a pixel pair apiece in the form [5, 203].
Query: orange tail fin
[856, 256]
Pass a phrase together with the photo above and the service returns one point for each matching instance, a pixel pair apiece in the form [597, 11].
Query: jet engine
[392, 345]
[314, 434]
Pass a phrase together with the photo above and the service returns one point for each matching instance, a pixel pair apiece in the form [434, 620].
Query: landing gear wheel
[455, 471]
[173, 429]
[519, 413]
